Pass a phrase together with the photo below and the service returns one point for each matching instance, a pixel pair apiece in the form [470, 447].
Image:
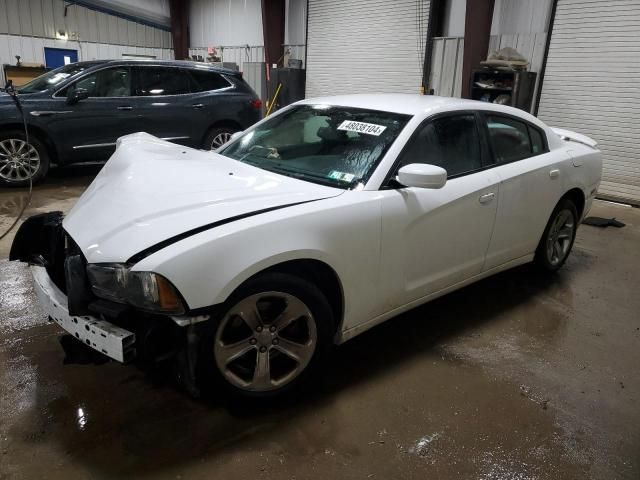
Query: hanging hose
[9, 88]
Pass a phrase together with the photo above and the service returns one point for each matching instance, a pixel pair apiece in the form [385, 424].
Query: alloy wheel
[265, 341]
[560, 237]
[19, 160]
[220, 139]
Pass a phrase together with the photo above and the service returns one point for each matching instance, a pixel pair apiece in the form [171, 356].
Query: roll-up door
[365, 46]
[591, 85]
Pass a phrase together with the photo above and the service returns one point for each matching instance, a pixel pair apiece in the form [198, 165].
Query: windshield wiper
[307, 176]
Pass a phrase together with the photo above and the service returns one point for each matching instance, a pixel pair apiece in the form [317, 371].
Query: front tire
[21, 162]
[558, 237]
[270, 339]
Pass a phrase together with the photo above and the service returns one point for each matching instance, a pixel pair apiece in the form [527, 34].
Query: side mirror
[236, 135]
[74, 95]
[422, 175]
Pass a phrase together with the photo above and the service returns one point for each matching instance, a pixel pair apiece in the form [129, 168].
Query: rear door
[220, 101]
[167, 106]
[531, 183]
[433, 239]
[89, 129]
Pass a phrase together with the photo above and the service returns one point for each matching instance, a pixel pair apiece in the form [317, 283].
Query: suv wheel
[20, 161]
[218, 137]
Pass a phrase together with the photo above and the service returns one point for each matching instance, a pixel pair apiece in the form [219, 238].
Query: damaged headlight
[145, 290]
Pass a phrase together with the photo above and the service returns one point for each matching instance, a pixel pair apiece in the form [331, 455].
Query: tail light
[256, 103]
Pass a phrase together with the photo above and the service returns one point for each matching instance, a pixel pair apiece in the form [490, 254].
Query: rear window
[154, 81]
[510, 138]
[537, 142]
[205, 81]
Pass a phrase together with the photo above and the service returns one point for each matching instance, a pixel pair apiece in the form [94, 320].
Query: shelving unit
[487, 84]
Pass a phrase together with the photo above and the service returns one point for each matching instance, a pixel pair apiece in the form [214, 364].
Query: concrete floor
[516, 377]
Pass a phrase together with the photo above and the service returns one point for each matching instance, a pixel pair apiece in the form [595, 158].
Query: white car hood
[151, 191]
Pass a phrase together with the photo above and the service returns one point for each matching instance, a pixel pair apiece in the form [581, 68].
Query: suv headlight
[145, 290]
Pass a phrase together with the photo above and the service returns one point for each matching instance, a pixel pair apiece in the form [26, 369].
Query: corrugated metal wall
[27, 26]
[446, 66]
[228, 25]
[591, 85]
[213, 23]
[236, 54]
[295, 33]
[520, 24]
[358, 46]
[520, 16]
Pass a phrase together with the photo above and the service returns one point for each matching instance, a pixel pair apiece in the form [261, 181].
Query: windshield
[51, 79]
[330, 145]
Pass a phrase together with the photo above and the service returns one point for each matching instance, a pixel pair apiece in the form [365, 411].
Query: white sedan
[314, 225]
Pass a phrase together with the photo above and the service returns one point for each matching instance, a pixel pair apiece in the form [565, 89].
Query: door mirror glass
[422, 175]
[74, 95]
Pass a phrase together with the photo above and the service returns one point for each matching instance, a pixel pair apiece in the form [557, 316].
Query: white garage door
[365, 46]
[591, 84]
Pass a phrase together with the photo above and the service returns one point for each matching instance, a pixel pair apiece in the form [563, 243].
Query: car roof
[416, 104]
[169, 63]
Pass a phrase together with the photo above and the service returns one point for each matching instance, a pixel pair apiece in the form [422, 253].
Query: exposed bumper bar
[115, 342]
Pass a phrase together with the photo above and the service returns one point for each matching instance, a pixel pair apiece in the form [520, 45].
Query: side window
[110, 82]
[451, 142]
[205, 81]
[509, 138]
[537, 142]
[154, 81]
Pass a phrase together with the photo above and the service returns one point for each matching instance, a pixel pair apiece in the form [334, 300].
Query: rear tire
[249, 355]
[558, 237]
[21, 161]
[218, 137]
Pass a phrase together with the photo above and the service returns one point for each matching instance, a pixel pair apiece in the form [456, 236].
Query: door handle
[125, 107]
[198, 105]
[486, 198]
[554, 173]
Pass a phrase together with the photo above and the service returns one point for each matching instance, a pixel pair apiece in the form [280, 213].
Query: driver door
[436, 238]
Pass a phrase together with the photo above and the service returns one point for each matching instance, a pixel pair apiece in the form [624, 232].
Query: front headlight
[145, 290]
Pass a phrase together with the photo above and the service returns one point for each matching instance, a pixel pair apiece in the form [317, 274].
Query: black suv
[77, 112]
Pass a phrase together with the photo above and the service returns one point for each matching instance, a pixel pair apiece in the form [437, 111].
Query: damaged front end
[73, 296]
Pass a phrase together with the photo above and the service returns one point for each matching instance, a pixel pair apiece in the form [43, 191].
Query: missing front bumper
[104, 337]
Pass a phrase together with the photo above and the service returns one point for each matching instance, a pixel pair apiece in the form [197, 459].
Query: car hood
[151, 191]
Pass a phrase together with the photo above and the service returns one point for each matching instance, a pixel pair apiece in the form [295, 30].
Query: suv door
[221, 102]
[89, 129]
[167, 106]
[530, 186]
[433, 239]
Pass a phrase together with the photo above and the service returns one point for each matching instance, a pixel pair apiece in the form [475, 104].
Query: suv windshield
[330, 145]
[53, 78]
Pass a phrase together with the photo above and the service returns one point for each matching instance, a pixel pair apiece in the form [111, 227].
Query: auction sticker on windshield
[345, 177]
[362, 127]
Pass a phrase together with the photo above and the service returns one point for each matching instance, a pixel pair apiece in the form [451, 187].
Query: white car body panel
[391, 249]
[151, 190]
[416, 260]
